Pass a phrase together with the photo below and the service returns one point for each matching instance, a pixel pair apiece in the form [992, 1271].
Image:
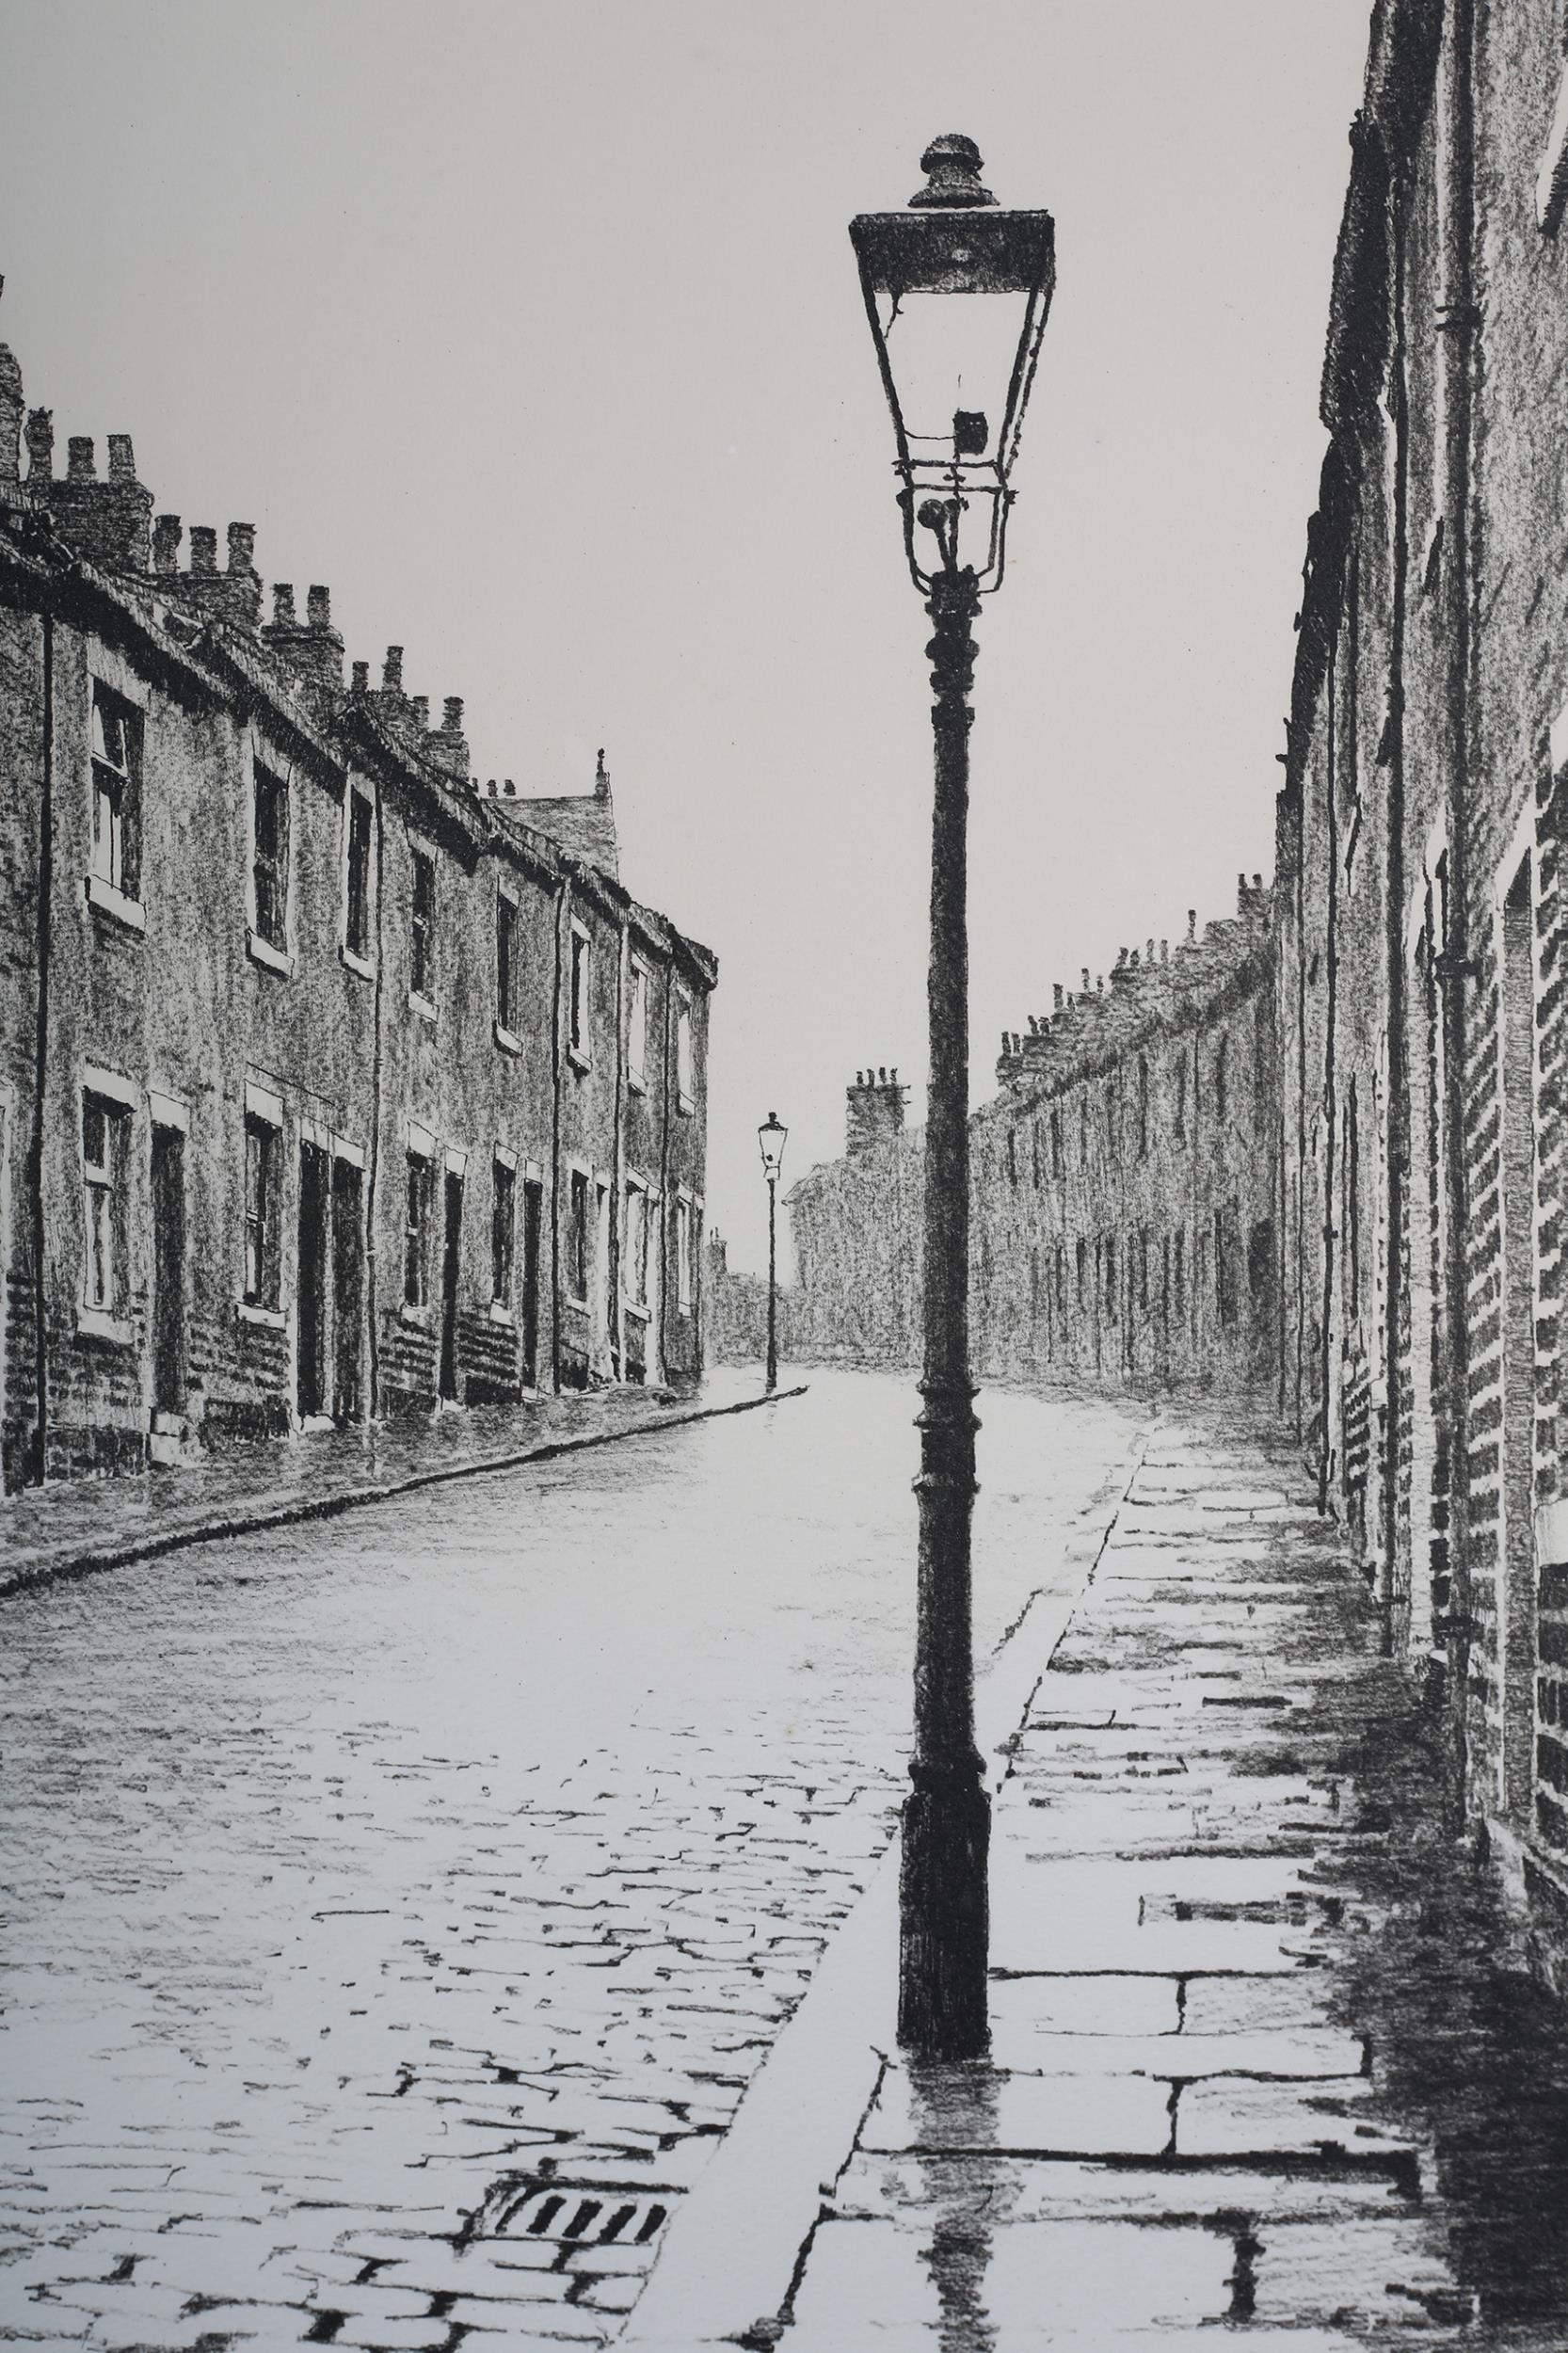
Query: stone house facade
[1124, 1218]
[330, 1083]
[1420, 935]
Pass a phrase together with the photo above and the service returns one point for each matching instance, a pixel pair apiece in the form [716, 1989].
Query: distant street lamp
[957, 377]
[772, 1136]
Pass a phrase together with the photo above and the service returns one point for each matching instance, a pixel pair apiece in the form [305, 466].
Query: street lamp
[771, 1137]
[957, 376]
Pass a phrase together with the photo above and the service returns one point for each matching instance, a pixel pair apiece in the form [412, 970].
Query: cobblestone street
[396, 1910]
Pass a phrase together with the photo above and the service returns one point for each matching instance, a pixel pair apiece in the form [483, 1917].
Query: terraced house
[331, 1084]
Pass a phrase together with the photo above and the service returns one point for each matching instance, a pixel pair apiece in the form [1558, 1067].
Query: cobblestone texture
[365, 1883]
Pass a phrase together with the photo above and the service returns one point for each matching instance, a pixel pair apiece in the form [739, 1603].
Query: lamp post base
[944, 1938]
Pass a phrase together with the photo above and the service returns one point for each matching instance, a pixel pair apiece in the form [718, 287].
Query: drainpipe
[41, 1071]
[1399, 1088]
[1331, 969]
[1458, 363]
[373, 1382]
[563, 917]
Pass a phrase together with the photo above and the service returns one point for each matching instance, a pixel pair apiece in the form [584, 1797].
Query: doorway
[168, 1270]
[348, 1290]
[532, 1201]
[313, 1209]
[452, 1258]
[1517, 1603]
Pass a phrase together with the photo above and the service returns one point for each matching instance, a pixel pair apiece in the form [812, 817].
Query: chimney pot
[1148, 957]
[242, 547]
[1192, 922]
[1165, 951]
[391, 671]
[421, 711]
[81, 466]
[1258, 884]
[282, 604]
[858, 1077]
[1086, 980]
[1056, 995]
[166, 544]
[895, 1074]
[602, 778]
[511, 789]
[203, 548]
[123, 464]
[318, 607]
[882, 1075]
[452, 714]
[361, 679]
[40, 445]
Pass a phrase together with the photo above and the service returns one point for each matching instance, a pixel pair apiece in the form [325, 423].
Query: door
[532, 1200]
[168, 1270]
[451, 1262]
[313, 1207]
[348, 1290]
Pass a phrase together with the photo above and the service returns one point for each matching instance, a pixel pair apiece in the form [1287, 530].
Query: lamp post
[771, 1136]
[957, 376]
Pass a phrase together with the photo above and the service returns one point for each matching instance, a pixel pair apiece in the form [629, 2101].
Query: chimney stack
[10, 414]
[391, 671]
[361, 687]
[80, 463]
[601, 778]
[166, 544]
[204, 550]
[421, 706]
[318, 606]
[242, 548]
[282, 604]
[1056, 994]
[451, 715]
[40, 445]
[123, 464]
[1191, 924]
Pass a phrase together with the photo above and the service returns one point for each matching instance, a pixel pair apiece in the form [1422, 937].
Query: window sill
[638, 1309]
[581, 1303]
[361, 964]
[105, 900]
[260, 950]
[418, 1317]
[507, 1039]
[424, 1007]
[271, 1319]
[501, 1313]
[100, 1324]
[686, 1105]
[578, 1059]
[637, 1082]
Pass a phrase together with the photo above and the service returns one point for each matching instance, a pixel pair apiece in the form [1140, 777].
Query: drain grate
[577, 2217]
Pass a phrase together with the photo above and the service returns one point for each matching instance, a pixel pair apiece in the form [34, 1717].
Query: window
[1110, 1299]
[1143, 1270]
[416, 1246]
[507, 964]
[1182, 1270]
[683, 1256]
[1113, 1138]
[105, 1139]
[503, 1231]
[636, 1028]
[1013, 1158]
[633, 1274]
[577, 1235]
[422, 928]
[1082, 1275]
[1144, 1109]
[264, 1168]
[1225, 1271]
[685, 1082]
[1180, 1112]
[1083, 1129]
[117, 746]
[269, 826]
[1056, 1143]
[1035, 1151]
[1349, 1221]
[578, 1008]
[1060, 1280]
[356, 912]
[1222, 1078]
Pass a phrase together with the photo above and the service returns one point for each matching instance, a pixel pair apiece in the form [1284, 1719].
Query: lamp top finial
[952, 164]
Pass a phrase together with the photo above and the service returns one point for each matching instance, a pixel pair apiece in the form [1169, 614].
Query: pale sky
[534, 331]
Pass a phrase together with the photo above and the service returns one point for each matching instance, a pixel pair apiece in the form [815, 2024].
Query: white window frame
[422, 1001]
[265, 1108]
[104, 886]
[506, 1035]
[685, 1227]
[104, 1316]
[579, 975]
[363, 963]
[685, 1053]
[260, 949]
[636, 1025]
[419, 1145]
[581, 1298]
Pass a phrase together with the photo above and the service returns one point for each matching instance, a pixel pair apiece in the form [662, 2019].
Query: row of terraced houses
[1325, 1150]
[331, 1082]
